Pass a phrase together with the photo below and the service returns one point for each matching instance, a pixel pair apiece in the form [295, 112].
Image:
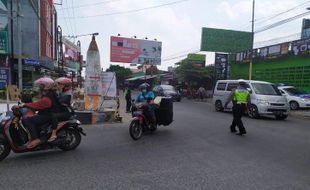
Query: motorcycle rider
[45, 106]
[147, 96]
[64, 93]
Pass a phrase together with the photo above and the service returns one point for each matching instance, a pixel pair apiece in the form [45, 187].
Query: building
[27, 36]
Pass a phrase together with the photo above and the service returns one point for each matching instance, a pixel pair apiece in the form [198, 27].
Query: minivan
[266, 99]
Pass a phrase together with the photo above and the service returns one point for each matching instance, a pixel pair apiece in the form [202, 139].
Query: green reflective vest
[241, 96]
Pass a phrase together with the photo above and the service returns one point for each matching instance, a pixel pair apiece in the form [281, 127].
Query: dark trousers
[238, 111]
[58, 117]
[33, 123]
[128, 104]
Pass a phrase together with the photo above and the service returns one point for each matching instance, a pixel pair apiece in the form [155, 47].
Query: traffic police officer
[240, 98]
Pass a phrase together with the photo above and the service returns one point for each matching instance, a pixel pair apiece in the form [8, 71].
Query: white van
[266, 99]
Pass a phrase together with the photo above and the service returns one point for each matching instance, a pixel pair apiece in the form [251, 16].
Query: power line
[131, 11]
[281, 13]
[91, 4]
[281, 22]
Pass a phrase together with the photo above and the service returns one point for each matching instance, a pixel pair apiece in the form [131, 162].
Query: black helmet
[144, 86]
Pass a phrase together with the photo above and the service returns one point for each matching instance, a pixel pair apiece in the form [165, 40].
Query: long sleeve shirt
[42, 104]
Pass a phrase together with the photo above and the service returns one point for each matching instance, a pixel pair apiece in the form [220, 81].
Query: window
[221, 86]
[266, 89]
[232, 86]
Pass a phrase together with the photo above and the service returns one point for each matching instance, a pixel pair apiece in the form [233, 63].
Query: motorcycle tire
[135, 130]
[5, 148]
[72, 138]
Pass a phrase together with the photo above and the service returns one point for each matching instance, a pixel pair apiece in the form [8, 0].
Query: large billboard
[226, 41]
[3, 27]
[197, 60]
[131, 50]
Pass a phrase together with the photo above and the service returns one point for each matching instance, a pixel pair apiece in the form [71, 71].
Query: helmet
[144, 86]
[66, 82]
[45, 83]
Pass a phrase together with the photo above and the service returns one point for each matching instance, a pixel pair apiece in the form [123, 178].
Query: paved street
[196, 152]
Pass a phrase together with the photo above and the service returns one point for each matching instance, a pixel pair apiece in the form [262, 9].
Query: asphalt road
[196, 152]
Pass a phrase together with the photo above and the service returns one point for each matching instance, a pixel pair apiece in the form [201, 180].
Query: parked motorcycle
[140, 123]
[15, 136]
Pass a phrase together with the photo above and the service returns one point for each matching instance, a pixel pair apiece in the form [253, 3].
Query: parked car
[167, 91]
[266, 99]
[295, 97]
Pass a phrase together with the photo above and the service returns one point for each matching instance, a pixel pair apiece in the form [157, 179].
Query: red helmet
[45, 83]
[64, 81]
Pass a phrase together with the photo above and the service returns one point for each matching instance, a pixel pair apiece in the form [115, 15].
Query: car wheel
[218, 106]
[294, 105]
[253, 112]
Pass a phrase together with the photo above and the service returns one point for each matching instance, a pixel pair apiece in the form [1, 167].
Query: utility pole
[20, 66]
[251, 55]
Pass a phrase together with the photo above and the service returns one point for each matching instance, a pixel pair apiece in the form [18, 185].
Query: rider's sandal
[52, 139]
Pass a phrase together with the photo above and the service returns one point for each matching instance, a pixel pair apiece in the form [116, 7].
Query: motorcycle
[140, 123]
[15, 136]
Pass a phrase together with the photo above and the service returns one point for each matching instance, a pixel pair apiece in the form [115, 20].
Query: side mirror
[250, 90]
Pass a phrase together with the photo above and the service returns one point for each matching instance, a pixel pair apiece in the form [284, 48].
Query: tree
[121, 74]
[195, 76]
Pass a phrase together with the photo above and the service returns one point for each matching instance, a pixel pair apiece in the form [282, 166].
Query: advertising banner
[274, 50]
[3, 27]
[284, 48]
[71, 50]
[129, 50]
[197, 60]
[301, 47]
[4, 76]
[222, 68]
[108, 84]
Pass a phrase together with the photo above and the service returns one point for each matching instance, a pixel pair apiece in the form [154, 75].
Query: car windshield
[294, 91]
[266, 89]
[167, 88]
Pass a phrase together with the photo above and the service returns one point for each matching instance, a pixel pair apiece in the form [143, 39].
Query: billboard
[130, 50]
[108, 84]
[3, 27]
[227, 41]
[301, 47]
[222, 68]
[71, 50]
[197, 60]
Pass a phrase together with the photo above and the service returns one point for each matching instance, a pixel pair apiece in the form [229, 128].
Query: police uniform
[240, 98]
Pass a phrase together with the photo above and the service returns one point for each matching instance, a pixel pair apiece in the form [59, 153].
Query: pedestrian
[201, 92]
[240, 98]
[128, 99]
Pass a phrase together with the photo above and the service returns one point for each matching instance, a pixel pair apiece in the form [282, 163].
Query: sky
[176, 23]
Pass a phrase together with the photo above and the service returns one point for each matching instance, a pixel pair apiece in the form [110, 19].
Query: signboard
[71, 50]
[301, 47]
[129, 50]
[222, 68]
[274, 50]
[3, 27]
[108, 84]
[228, 41]
[4, 76]
[197, 60]
[31, 62]
[305, 30]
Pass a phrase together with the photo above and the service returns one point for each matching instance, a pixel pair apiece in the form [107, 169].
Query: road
[196, 152]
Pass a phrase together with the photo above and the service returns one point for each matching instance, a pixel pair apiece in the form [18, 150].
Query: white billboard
[131, 50]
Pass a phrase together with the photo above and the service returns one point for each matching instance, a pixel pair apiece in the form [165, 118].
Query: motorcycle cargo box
[164, 113]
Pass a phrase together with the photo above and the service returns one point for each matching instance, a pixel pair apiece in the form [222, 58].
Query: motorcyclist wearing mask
[45, 106]
[147, 96]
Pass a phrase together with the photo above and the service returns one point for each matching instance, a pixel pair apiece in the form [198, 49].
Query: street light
[251, 55]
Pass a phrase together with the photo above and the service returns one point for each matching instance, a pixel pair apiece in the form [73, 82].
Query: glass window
[232, 86]
[266, 89]
[294, 91]
[221, 86]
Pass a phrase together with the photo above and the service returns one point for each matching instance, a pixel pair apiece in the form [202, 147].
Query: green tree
[122, 74]
[195, 76]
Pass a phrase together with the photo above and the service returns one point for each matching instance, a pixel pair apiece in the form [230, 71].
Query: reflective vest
[241, 96]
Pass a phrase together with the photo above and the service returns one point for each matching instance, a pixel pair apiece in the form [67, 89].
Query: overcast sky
[177, 25]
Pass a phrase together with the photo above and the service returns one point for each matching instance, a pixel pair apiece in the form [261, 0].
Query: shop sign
[32, 62]
[4, 76]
